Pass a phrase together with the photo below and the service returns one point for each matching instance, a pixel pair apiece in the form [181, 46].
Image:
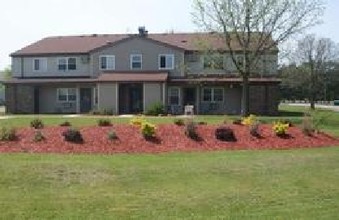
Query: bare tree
[314, 56]
[255, 26]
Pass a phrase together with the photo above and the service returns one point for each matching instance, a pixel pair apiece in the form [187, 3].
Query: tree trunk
[245, 96]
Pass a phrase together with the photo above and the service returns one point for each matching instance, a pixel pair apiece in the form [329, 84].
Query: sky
[24, 22]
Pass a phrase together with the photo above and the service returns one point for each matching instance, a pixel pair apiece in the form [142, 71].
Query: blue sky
[24, 22]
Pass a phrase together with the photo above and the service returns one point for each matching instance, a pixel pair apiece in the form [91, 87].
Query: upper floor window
[66, 94]
[67, 63]
[213, 94]
[166, 61]
[136, 61]
[107, 62]
[40, 64]
[214, 61]
[240, 60]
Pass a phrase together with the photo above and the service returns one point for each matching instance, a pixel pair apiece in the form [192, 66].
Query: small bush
[101, 112]
[280, 128]
[237, 121]
[254, 129]
[156, 109]
[202, 123]
[179, 122]
[137, 121]
[307, 126]
[104, 122]
[37, 123]
[191, 130]
[73, 135]
[65, 124]
[225, 134]
[111, 135]
[148, 130]
[8, 134]
[38, 136]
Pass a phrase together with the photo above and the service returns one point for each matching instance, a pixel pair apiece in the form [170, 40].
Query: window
[66, 94]
[240, 60]
[214, 62]
[65, 64]
[213, 94]
[40, 64]
[107, 62]
[136, 61]
[166, 61]
[174, 96]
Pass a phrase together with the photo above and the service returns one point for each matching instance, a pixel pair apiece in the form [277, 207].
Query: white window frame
[67, 59]
[42, 64]
[107, 56]
[170, 67]
[169, 95]
[67, 95]
[212, 94]
[131, 61]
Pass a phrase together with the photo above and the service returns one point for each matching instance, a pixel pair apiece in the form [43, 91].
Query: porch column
[164, 94]
[198, 99]
[78, 99]
[117, 98]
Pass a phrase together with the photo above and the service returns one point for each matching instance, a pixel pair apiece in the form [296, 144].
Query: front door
[189, 96]
[85, 100]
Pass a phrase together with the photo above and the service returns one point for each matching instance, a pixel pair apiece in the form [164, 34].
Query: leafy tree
[257, 26]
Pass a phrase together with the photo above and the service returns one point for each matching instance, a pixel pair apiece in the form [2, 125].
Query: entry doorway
[131, 98]
[190, 96]
[85, 100]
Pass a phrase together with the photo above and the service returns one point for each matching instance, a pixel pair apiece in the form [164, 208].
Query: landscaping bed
[168, 138]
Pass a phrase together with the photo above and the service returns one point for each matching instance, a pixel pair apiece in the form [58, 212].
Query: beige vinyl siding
[108, 96]
[150, 56]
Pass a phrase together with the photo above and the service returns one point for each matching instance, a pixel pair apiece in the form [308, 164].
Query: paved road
[330, 107]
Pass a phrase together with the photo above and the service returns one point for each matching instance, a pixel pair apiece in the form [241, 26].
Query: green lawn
[291, 184]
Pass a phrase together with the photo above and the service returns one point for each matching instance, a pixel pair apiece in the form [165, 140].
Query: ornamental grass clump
[307, 125]
[111, 135]
[8, 134]
[65, 124]
[280, 128]
[38, 136]
[191, 130]
[254, 130]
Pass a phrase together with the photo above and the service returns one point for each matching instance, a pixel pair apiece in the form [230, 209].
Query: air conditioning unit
[85, 59]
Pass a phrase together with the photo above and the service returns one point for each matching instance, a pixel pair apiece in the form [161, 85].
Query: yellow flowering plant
[137, 121]
[280, 128]
[249, 120]
[147, 129]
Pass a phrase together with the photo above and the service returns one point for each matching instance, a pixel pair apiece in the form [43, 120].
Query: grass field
[289, 184]
[293, 184]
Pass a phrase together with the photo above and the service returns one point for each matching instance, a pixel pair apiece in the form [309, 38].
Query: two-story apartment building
[127, 73]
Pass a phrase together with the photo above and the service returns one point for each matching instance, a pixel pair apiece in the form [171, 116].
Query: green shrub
[73, 135]
[111, 135]
[8, 134]
[65, 124]
[225, 134]
[237, 121]
[38, 136]
[103, 111]
[191, 130]
[156, 109]
[148, 130]
[104, 122]
[137, 121]
[37, 123]
[179, 121]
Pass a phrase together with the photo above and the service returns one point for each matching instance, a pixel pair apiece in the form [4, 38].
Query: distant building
[127, 73]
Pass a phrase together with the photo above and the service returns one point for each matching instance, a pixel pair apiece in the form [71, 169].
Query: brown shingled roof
[87, 43]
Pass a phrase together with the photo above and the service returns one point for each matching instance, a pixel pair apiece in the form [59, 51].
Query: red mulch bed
[168, 138]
